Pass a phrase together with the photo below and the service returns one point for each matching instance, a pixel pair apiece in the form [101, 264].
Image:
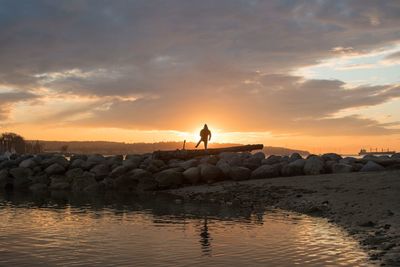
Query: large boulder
[125, 183]
[341, 168]
[240, 173]
[80, 183]
[331, 156]
[38, 188]
[371, 167]
[169, 179]
[294, 157]
[224, 167]
[55, 159]
[6, 181]
[156, 165]
[8, 164]
[189, 164]
[192, 175]
[209, 160]
[75, 172]
[21, 172]
[294, 168]
[396, 156]
[41, 178]
[147, 185]
[60, 182]
[348, 160]
[266, 171]
[314, 165]
[252, 163]
[210, 173]
[54, 169]
[96, 158]
[271, 160]
[100, 171]
[132, 163]
[259, 155]
[78, 163]
[233, 159]
[28, 163]
[118, 171]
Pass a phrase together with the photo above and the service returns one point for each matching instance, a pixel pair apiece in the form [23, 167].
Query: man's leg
[205, 143]
[198, 143]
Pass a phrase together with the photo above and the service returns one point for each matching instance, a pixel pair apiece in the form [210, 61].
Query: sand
[367, 205]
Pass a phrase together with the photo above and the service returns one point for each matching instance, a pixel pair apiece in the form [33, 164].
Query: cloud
[8, 99]
[163, 64]
[275, 103]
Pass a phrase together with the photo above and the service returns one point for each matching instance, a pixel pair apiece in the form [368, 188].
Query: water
[157, 231]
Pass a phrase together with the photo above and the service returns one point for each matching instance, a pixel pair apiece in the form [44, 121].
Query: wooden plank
[193, 153]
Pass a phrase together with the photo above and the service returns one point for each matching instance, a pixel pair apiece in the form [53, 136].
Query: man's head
[205, 126]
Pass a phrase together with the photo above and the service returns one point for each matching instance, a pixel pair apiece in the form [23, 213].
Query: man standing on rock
[205, 136]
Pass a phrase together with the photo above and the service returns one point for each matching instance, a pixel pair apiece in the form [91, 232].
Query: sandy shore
[367, 205]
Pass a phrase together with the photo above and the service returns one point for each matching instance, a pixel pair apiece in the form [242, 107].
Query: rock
[125, 183]
[96, 158]
[393, 167]
[135, 157]
[147, 185]
[55, 168]
[314, 165]
[209, 160]
[56, 159]
[21, 172]
[100, 171]
[210, 173]
[114, 160]
[156, 165]
[294, 168]
[271, 160]
[75, 172]
[357, 166]
[371, 167]
[266, 171]
[341, 168]
[172, 163]
[6, 181]
[94, 188]
[259, 155]
[118, 171]
[370, 157]
[331, 156]
[28, 163]
[251, 163]
[169, 179]
[233, 159]
[78, 163]
[140, 175]
[294, 157]
[192, 175]
[224, 167]
[240, 173]
[38, 188]
[41, 178]
[396, 156]
[78, 157]
[60, 186]
[348, 160]
[189, 164]
[328, 165]
[132, 163]
[8, 164]
[22, 182]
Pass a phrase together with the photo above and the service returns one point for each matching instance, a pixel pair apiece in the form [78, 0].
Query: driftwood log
[194, 153]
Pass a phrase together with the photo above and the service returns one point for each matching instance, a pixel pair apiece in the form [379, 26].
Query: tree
[12, 142]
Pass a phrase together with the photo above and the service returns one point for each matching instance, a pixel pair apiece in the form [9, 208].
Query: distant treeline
[15, 143]
[112, 148]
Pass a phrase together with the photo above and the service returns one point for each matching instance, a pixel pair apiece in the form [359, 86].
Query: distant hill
[282, 151]
[112, 148]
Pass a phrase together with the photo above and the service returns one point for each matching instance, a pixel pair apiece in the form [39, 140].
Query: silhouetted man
[205, 136]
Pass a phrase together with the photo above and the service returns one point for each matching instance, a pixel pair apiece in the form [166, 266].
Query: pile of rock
[96, 173]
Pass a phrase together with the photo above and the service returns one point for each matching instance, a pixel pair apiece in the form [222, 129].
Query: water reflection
[143, 230]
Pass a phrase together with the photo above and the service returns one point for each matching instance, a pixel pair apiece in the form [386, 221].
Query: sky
[317, 75]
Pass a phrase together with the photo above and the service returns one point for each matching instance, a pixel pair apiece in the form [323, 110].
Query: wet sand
[367, 205]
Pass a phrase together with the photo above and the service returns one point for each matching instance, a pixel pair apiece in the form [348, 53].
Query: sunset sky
[316, 75]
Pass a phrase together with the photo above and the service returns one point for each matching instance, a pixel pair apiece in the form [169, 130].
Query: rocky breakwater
[136, 173]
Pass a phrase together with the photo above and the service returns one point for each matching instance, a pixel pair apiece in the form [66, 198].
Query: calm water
[157, 231]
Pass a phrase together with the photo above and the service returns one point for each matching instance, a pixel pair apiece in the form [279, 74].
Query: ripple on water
[109, 236]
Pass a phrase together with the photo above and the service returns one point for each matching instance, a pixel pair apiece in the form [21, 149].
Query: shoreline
[366, 205]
